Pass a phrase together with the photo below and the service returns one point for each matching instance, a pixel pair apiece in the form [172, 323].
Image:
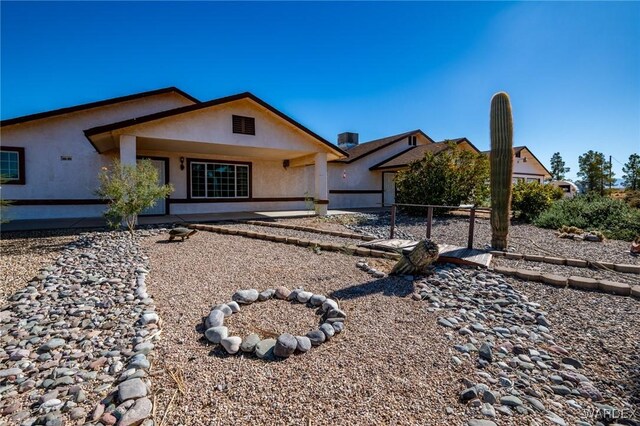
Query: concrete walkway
[99, 222]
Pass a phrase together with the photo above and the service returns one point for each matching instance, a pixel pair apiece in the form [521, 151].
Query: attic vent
[244, 125]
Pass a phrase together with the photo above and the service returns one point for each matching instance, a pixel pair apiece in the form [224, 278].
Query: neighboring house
[526, 167]
[366, 177]
[230, 154]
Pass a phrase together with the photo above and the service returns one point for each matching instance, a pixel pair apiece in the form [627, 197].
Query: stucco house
[366, 177]
[526, 166]
[236, 153]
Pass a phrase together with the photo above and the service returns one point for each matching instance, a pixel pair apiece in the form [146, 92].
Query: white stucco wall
[268, 180]
[50, 178]
[357, 176]
[213, 125]
[529, 169]
[46, 140]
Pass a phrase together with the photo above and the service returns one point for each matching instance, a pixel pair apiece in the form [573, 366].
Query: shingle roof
[366, 148]
[416, 153]
[105, 102]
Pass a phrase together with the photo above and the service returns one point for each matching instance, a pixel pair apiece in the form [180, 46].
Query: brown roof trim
[398, 139]
[536, 158]
[189, 108]
[379, 166]
[105, 102]
[457, 141]
[517, 149]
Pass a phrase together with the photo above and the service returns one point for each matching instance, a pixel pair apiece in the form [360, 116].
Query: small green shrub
[129, 190]
[530, 199]
[614, 218]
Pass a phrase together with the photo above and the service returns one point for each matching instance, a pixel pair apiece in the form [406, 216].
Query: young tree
[632, 173]
[451, 177]
[130, 189]
[557, 167]
[595, 171]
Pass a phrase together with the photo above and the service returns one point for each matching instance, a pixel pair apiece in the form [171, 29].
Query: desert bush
[530, 199]
[632, 198]
[450, 177]
[130, 189]
[614, 218]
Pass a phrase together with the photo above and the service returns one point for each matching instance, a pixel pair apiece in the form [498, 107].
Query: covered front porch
[219, 161]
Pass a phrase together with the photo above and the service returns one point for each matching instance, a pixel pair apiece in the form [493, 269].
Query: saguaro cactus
[501, 169]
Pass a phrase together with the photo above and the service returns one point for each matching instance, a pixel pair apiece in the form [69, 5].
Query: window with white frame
[12, 165]
[219, 180]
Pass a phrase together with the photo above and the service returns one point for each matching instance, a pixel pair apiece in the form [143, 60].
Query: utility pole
[610, 174]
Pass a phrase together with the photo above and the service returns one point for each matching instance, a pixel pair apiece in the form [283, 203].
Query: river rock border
[579, 263]
[285, 345]
[582, 283]
[351, 235]
[76, 340]
[324, 245]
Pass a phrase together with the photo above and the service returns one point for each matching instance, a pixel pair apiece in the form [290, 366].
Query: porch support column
[127, 150]
[321, 192]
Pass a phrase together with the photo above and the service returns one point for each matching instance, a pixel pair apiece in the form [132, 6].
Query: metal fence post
[429, 221]
[393, 221]
[472, 223]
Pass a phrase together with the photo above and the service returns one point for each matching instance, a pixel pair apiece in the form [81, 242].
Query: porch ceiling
[205, 148]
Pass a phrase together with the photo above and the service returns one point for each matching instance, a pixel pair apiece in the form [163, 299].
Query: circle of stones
[285, 345]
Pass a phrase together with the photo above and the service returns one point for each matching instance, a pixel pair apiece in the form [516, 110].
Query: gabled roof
[362, 150]
[414, 153]
[55, 112]
[189, 108]
[518, 149]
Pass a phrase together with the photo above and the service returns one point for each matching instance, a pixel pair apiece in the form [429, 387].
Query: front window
[219, 180]
[12, 165]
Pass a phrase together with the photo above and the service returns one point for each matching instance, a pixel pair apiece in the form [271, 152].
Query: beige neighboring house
[235, 153]
[526, 167]
[366, 177]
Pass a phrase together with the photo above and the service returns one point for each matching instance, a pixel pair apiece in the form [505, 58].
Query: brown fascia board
[536, 158]
[189, 108]
[378, 165]
[517, 149]
[105, 102]
[404, 135]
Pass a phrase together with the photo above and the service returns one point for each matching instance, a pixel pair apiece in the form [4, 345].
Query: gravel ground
[603, 329]
[390, 365]
[568, 270]
[451, 230]
[22, 254]
[295, 233]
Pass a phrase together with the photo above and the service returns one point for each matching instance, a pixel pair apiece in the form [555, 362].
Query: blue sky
[572, 69]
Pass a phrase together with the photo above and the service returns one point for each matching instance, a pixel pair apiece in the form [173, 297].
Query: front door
[389, 188]
[160, 207]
